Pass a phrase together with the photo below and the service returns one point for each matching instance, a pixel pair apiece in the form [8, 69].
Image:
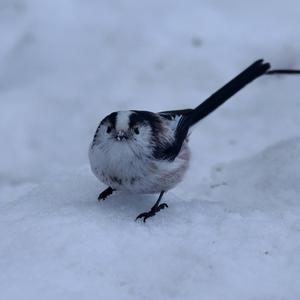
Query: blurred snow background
[233, 228]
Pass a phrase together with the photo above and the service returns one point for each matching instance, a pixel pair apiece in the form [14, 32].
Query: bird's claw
[105, 194]
[102, 197]
[152, 212]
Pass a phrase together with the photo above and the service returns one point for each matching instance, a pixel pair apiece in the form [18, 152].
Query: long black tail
[283, 71]
[254, 71]
[227, 91]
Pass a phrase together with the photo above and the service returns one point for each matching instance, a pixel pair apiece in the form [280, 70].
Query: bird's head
[136, 129]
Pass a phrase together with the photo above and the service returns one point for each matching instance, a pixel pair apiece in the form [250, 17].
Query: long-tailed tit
[147, 152]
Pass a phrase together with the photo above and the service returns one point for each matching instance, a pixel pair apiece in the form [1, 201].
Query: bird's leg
[105, 193]
[156, 208]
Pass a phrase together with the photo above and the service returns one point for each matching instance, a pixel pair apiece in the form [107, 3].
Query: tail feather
[283, 71]
[227, 91]
[253, 72]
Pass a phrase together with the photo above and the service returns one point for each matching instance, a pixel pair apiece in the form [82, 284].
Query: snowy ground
[232, 230]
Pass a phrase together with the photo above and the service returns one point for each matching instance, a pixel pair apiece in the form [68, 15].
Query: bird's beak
[121, 135]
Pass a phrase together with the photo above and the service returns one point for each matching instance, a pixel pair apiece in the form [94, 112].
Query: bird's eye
[136, 130]
[108, 130]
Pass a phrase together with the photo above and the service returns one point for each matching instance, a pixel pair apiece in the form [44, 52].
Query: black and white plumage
[126, 152]
[146, 152]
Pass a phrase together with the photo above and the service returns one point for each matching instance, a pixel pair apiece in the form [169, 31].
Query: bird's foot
[152, 212]
[105, 193]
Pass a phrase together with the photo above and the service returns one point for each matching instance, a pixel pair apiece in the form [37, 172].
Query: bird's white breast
[122, 169]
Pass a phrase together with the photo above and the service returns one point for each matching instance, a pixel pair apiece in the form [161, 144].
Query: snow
[238, 240]
[232, 227]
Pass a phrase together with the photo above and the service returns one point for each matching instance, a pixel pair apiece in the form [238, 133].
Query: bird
[144, 152]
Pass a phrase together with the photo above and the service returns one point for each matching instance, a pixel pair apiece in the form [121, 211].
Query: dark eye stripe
[108, 130]
[110, 119]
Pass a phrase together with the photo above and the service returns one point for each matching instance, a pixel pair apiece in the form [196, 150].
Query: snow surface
[232, 229]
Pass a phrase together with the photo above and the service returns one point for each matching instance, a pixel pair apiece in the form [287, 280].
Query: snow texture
[232, 227]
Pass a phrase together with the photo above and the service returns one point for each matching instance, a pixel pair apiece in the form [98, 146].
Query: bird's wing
[172, 114]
